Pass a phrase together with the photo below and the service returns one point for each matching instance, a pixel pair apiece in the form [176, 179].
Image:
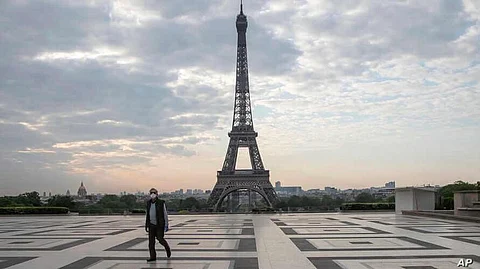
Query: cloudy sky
[126, 95]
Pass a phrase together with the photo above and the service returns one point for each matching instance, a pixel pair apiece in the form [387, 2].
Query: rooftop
[335, 241]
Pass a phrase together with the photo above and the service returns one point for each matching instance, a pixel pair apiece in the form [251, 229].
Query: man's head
[153, 193]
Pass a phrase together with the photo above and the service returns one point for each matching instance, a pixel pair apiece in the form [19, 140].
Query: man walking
[156, 224]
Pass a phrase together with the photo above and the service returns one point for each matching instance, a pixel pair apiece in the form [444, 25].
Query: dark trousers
[155, 231]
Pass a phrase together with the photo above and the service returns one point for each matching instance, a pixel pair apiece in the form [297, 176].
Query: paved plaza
[374, 241]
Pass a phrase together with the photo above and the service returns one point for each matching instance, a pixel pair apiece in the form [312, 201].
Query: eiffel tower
[229, 179]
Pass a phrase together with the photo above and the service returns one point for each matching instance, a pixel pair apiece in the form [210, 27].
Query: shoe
[151, 259]
[169, 252]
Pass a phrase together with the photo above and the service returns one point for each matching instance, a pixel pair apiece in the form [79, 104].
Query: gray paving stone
[240, 241]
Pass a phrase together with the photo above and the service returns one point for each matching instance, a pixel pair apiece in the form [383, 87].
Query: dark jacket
[162, 217]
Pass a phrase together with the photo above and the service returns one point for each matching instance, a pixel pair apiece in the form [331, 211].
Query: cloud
[100, 89]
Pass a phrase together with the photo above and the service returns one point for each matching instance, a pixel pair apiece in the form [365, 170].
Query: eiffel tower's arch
[231, 190]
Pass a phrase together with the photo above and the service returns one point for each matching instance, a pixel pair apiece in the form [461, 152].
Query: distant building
[68, 192]
[82, 191]
[290, 190]
[44, 194]
[390, 185]
[189, 192]
[141, 194]
[197, 191]
[50, 194]
[315, 192]
[331, 190]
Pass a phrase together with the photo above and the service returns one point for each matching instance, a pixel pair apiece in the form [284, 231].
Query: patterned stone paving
[334, 241]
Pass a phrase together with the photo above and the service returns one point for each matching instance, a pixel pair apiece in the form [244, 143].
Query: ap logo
[464, 262]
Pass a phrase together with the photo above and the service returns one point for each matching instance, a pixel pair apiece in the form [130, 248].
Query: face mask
[153, 195]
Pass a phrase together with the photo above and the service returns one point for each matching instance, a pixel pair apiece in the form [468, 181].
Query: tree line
[112, 203]
[117, 204]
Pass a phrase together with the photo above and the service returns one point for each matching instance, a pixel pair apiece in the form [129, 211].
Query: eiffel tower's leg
[229, 204]
[231, 156]
[214, 196]
[271, 194]
[235, 197]
[265, 196]
[255, 158]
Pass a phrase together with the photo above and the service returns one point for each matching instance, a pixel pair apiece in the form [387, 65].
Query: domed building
[82, 191]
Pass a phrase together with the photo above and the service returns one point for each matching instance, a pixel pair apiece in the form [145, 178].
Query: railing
[242, 172]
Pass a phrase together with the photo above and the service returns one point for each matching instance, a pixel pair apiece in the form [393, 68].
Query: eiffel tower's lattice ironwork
[229, 179]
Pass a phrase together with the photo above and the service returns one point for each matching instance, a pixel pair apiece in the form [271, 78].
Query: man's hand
[146, 229]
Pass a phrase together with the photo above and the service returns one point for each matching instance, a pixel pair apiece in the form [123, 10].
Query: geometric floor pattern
[373, 241]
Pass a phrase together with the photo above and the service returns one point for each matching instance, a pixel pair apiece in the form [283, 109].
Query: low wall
[466, 211]
[440, 215]
[463, 203]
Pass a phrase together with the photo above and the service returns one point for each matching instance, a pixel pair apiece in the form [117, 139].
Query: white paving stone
[375, 241]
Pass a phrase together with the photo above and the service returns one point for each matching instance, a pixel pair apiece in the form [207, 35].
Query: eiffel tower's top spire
[241, 20]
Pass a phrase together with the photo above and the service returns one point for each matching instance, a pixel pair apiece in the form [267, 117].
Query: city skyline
[195, 191]
[126, 96]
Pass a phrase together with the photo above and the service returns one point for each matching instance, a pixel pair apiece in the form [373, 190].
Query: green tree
[112, 201]
[173, 204]
[24, 199]
[109, 198]
[447, 191]
[129, 200]
[202, 204]
[294, 201]
[34, 198]
[305, 201]
[281, 203]
[189, 204]
[365, 197]
[327, 202]
[27, 199]
[6, 201]
[61, 201]
[390, 199]
[338, 202]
